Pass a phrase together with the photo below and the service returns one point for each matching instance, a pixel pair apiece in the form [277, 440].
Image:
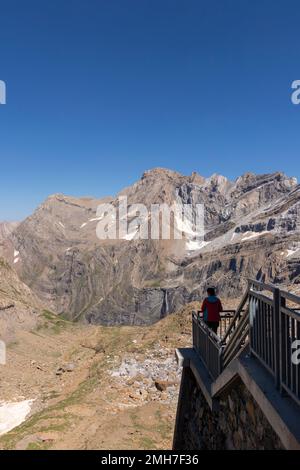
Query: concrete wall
[238, 424]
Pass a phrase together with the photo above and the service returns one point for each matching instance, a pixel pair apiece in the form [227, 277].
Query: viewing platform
[241, 387]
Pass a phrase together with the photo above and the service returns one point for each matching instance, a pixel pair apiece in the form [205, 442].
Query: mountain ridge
[251, 225]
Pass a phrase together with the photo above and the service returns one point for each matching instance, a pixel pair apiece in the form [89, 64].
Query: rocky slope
[93, 387]
[6, 228]
[251, 230]
[18, 305]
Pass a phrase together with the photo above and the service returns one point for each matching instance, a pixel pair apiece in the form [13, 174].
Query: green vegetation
[53, 322]
[38, 446]
[108, 344]
[147, 443]
[37, 423]
[153, 283]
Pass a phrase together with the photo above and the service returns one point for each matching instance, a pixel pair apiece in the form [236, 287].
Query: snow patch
[249, 235]
[131, 235]
[16, 256]
[185, 226]
[12, 414]
[192, 245]
[291, 253]
[96, 218]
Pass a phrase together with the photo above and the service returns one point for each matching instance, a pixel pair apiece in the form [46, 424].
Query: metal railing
[289, 328]
[226, 317]
[236, 334]
[263, 325]
[268, 321]
[207, 344]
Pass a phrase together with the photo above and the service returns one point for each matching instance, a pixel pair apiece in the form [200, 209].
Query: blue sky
[100, 90]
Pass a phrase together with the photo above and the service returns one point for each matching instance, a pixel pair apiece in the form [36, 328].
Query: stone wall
[238, 424]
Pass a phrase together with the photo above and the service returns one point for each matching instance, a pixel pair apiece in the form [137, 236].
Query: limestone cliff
[252, 230]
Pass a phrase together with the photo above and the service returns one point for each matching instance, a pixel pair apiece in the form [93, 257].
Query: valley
[91, 326]
[94, 387]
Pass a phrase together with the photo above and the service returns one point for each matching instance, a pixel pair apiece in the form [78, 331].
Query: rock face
[251, 230]
[18, 306]
[6, 228]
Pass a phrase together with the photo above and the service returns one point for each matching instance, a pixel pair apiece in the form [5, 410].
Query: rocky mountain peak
[160, 173]
[197, 179]
[251, 180]
[251, 230]
[219, 183]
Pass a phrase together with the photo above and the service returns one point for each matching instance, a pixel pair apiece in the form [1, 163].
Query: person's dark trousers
[213, 325]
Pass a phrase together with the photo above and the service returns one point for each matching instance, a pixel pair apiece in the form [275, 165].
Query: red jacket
[211, 309]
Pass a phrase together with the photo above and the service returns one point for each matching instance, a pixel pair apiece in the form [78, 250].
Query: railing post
[221, 359]
[194, 332]
[276, 331]
[282, 342]
[251, 320]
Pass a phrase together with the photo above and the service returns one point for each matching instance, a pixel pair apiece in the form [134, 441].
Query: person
[211, 308]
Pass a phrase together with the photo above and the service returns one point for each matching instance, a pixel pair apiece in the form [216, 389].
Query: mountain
[18, 305]
[6, 228]
[251, 230]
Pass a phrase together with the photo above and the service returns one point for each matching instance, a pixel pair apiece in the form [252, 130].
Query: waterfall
[165, 305]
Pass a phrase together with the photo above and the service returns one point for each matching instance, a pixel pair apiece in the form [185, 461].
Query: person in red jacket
[211, 309]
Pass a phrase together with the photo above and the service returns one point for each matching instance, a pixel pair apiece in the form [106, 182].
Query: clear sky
[100, 90]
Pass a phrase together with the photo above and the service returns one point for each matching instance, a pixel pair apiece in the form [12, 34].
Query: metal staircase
[267, 323]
